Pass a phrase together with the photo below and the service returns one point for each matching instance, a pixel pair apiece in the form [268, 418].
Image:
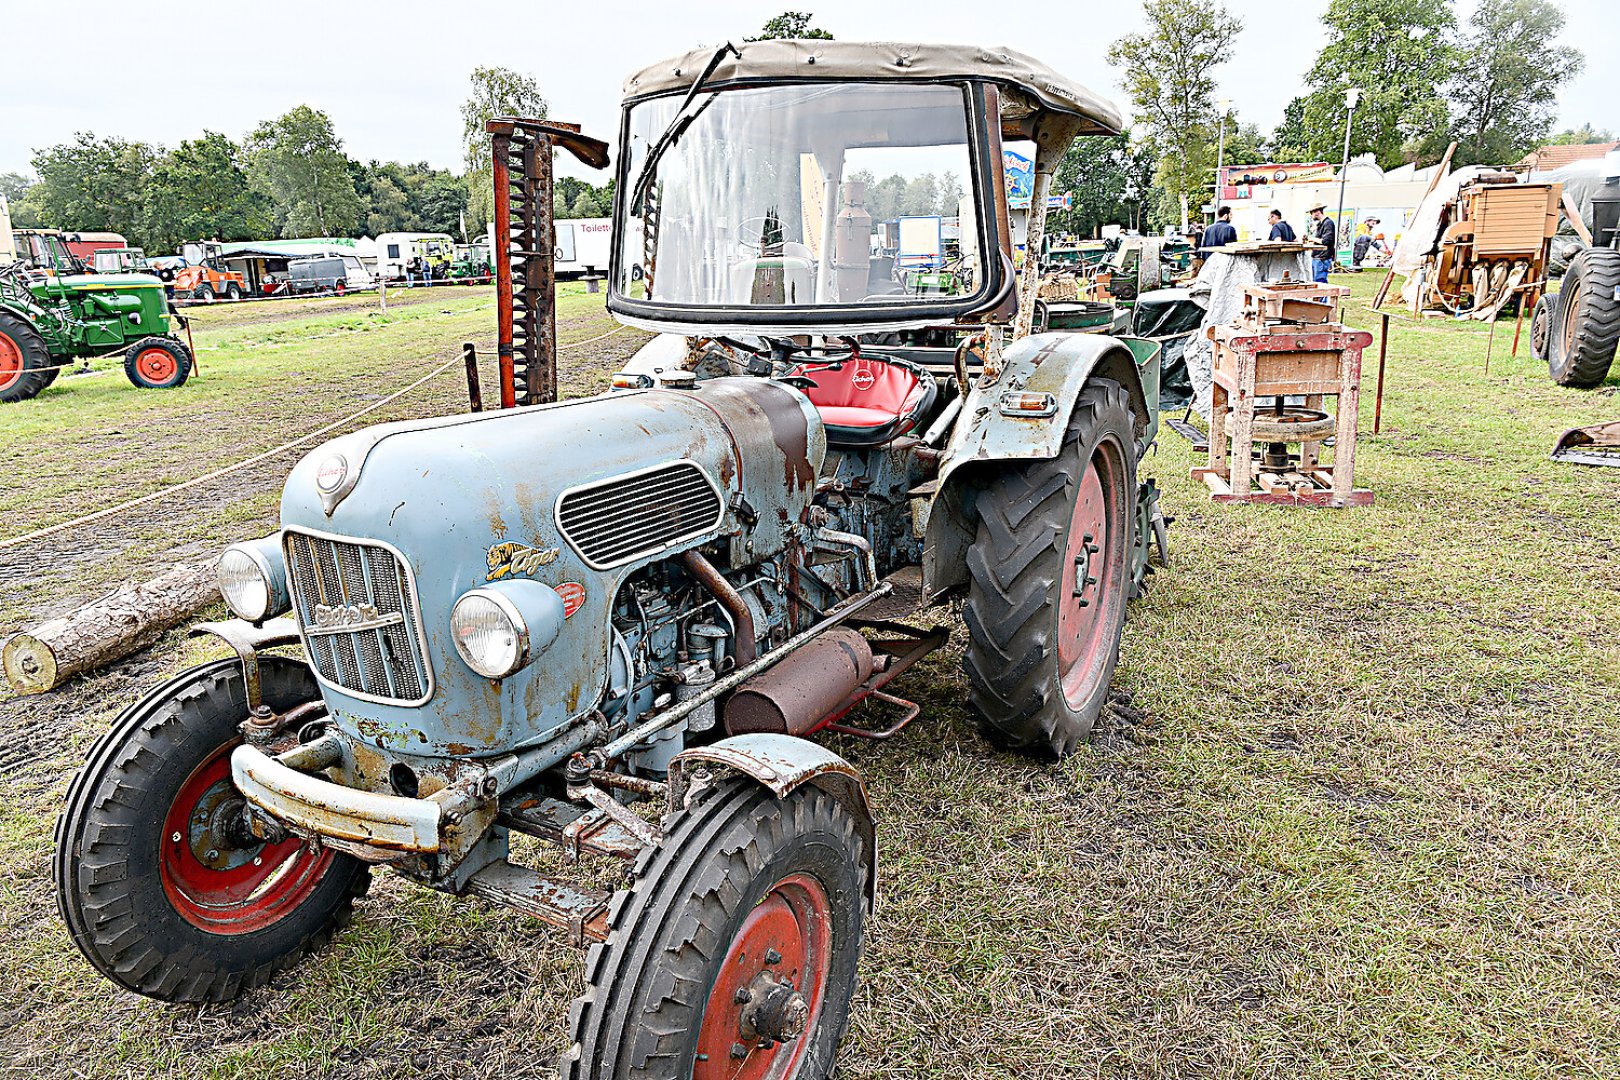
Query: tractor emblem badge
[864, 379]
[513, 560]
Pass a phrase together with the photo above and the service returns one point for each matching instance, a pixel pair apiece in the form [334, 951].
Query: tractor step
[579, 830]
[581, 912]
[905, 598]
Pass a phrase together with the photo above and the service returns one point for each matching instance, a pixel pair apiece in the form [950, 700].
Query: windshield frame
[984, 161]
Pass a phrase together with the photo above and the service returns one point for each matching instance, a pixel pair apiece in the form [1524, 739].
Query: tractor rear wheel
[1586, 321]
[233, 291]
[26, 366]
[161, 887]
[1048, 580]
[733, 953]
[157, 363]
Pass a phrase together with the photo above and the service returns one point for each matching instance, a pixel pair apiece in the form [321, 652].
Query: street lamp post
[1220, 149]
[1351, 96]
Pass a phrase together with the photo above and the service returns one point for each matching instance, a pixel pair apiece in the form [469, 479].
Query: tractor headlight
[253, 579]
[499, 628]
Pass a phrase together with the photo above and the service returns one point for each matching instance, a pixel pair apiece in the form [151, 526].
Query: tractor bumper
[307, 803]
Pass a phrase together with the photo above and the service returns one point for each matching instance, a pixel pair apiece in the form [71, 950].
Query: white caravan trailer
[583, 246]
[396, 250]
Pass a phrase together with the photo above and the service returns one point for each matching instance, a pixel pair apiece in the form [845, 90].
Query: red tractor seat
[867, 401]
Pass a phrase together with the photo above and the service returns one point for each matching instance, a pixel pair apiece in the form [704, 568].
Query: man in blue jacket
[1280, 229]
[1221, 233]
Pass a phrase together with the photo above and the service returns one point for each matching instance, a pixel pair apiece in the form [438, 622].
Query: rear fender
[985, 438]
[783, 763]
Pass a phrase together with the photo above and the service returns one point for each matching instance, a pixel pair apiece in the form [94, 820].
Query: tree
[1290, 142]
[792, 24]
[1398, 54]
[1584, 135]
[14, 186]
[1168, 77]
[1109, 176]
[200, 191]
[298, 161]
[94, 184]
[1504, 91]
[496, 91]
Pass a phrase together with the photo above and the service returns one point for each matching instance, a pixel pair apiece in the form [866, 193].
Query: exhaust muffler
[802, 693]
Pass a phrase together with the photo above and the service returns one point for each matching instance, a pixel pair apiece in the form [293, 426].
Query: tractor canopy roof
[1039, 89]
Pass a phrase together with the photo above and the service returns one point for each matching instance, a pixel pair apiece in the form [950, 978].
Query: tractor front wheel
[1586, 321]
[1048, 578]
[157, 363]
[203, 292]
[733, 953]
[161, 886]
[26, 366]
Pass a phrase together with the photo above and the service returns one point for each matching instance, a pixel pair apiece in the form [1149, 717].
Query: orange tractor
[205, 275]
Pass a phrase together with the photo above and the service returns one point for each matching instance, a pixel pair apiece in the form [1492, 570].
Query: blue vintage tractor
[614, 623]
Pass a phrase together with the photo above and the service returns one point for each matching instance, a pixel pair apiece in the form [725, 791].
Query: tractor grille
[357, 608]
[625, 518]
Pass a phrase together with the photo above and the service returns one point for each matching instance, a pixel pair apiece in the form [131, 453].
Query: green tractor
[52, 313]
[471, 264]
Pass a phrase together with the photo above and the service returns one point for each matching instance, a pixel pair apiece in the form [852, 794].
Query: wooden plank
[1434, 182]
[1573, 213]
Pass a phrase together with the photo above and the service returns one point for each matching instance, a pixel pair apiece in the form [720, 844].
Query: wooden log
[107, 629]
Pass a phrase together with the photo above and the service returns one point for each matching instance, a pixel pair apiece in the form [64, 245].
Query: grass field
[1359, 821]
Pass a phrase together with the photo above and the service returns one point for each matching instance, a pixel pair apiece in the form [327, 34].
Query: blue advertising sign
[1020, 173]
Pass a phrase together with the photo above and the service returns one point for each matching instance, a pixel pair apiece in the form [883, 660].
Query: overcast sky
[392, 75]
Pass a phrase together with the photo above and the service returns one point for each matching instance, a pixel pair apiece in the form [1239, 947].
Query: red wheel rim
[786, 938]
[1091, 589]
[157, 365]
[11, 362]
[220, 887]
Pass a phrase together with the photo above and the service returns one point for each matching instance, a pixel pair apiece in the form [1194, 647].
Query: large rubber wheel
[203, 291]
[1586, 322]
[233, 291]
[157, 363]
[26, 366]
[733, 952]
[1048, 580]
[214, 913]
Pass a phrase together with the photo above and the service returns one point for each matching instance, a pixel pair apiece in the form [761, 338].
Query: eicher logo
[513, 560]
[864, 379]
[346, 616]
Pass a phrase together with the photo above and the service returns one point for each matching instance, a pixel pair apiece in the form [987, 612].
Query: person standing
[1280, 229]
[1221, 233]
[1327, 237]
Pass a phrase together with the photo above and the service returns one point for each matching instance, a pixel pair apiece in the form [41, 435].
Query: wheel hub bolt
[772, 956]
[739, 1051]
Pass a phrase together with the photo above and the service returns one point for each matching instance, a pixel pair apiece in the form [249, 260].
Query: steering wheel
[756, 248]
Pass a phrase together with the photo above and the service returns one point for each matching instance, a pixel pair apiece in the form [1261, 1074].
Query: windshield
[802, 195]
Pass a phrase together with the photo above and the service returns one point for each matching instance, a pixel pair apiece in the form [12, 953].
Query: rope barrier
[263, 455]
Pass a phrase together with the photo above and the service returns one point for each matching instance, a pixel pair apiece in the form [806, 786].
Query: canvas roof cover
[815, 60]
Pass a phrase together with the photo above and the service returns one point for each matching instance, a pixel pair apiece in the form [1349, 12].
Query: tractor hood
[384, 529]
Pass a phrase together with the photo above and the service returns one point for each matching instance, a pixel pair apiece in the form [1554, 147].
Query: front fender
[785, 763]
[1058, 364]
